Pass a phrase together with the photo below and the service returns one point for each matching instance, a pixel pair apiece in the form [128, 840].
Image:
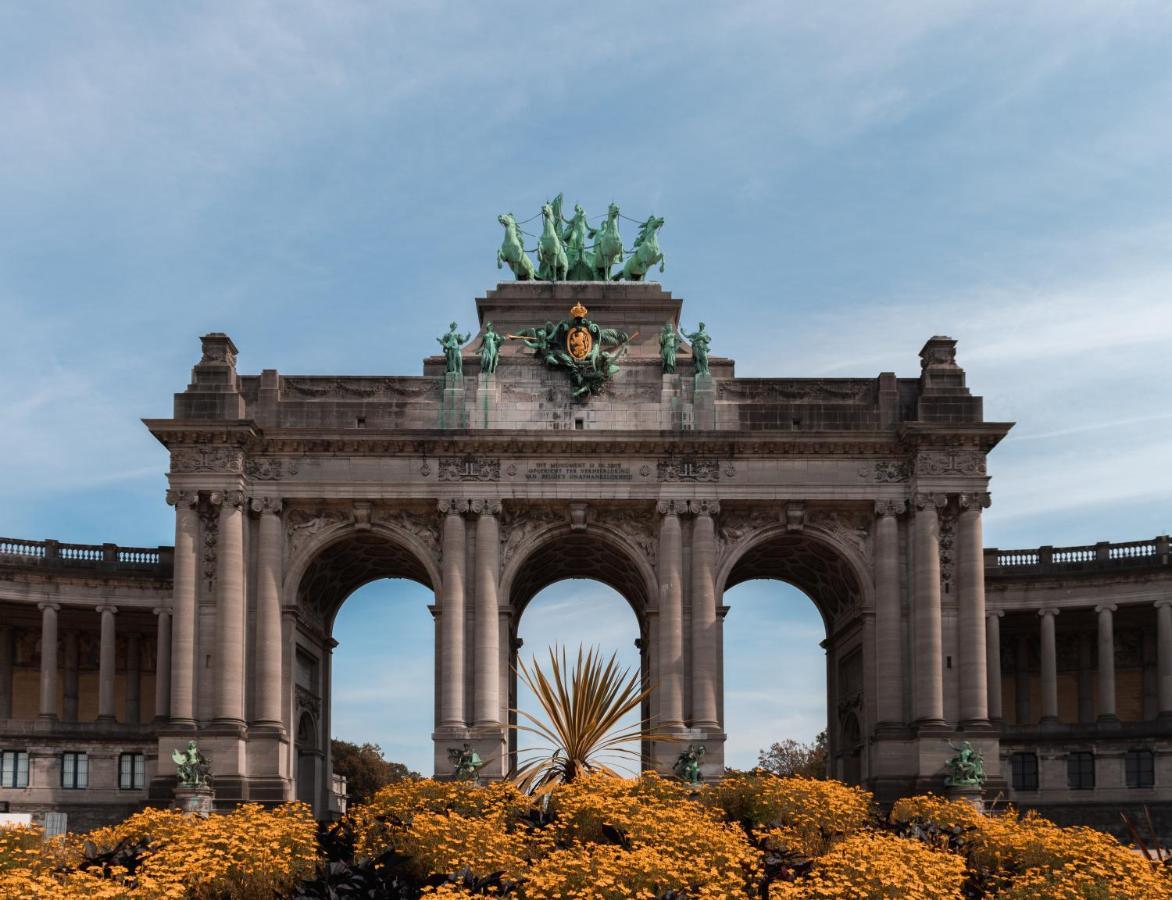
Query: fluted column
[70, 695]
[229, 650]
[1106, 614]
[268, 613]
[5, 671]
[888, 619]
[106, 665]
[929, 688]
[486, 700]
[133, 679]
[1049, 666]
[993, 661]
[974, 681]
[162, 663]
[452, 615]
[671, 617]
[48, 660]
[704, 673]
[1164, 656]
[183, 594]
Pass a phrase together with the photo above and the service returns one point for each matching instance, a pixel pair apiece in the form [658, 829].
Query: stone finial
[938, 352]
[218, 349]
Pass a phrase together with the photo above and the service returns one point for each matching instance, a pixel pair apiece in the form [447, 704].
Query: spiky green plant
[582, 716]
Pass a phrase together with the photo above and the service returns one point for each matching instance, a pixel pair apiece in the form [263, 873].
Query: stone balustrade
[1103, 556]
[155, 562]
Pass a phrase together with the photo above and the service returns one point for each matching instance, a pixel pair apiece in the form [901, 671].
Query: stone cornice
[201, 432]
[976, 435]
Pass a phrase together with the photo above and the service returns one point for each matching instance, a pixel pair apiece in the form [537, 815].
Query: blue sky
[321, 181]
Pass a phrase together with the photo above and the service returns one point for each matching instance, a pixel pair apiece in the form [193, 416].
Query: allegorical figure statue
[452, 342]
[191, 767]
[967, 768]
[700, 341]
[687, 767]
[668, 342]
[466, 763]
[490, 346]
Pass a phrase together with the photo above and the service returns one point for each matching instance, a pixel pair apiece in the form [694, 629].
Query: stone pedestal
[972, 794]
[195, 801]
[488, 398]
[669, 403]
[704, 403]
[452, 412]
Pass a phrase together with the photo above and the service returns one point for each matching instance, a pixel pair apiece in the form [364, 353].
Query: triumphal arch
[577, 433]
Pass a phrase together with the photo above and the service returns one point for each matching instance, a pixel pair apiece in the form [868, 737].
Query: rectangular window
[131, 771]
[1140, 768]
[1080, 770]
[14, 769]
[1024, 767]
[75, 771]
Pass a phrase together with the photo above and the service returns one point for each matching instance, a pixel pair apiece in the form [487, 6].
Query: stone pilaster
[228, 707]
[162, 663]
[48, 660]
[1164, 657]
[451, 615]
[269, 661]
[183, 602]
[486, 700]
[974, 684]
[671, 617]
[929, 686]
[1049, 666]
[452, 411]
[704, 402]
[993, 662]
[106, 660]
[704, 636]
[1106, 641]
[889, 684]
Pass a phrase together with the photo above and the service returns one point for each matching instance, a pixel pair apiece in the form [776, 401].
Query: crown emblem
[578, 311]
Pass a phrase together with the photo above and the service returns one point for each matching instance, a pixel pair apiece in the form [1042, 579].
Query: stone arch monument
[487, 486]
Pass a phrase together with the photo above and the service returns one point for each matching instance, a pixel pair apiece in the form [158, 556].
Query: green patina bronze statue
[191, 767]
[669, 340]
[466, 763]
[489, 350]
[700, 341]
[452, 342]
[570, 250]
[687, 767]
[967, 768]
[578, 346]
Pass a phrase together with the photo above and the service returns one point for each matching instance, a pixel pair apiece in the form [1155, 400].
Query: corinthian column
[106, 665]
[704, 655]
[671, 618]
[974, 682]
[888, 624]
[229, 673]
[929, 687]
[452, 616]
[48, 660]
[183, 594]
[268, 613]
[1049, 667]
[486, 701]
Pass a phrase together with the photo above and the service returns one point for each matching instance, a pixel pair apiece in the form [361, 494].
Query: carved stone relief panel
[209, 519]
[950, 462]
[947, 548]
[423, 524]
[518, 524]
[207, 459]
[689, 468]
[301, 524]
[851, 526]
[637, 526]
[264, 468]
[469, 468]
[885, 471]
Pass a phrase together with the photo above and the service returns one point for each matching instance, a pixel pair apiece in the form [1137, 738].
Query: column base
[1108, 721]
[899, 730]
[105, 720]
[931, 726]
[976, 725]
[1048, 722]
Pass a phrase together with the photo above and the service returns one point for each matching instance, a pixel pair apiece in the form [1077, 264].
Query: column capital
[1048, 611]
[486, 507]
[106, 608]
[1105, 607]
[162, 610]
[704, 507]
[890, 508]
[975, 501]
[929, 501]
[1163, 601]
[671, 507]
[180, 499]
[49, 604]
[994, 613]
[228, 499]
[452, 506]
[263, 505]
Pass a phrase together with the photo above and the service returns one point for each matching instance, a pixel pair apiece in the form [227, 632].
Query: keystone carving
[795, 516]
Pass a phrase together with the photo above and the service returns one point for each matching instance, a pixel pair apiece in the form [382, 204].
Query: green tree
[790, 757]
[365, 769]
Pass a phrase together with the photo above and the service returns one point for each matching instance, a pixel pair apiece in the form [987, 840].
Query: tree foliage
[790, 757]
[365, 769]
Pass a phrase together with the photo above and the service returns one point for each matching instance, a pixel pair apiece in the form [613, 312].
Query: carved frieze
[402, 388]
[794, 391]
[519, 525]
[950, 462]
[885, 471]
[689, 468]
[739, 522]
[851, 526]
[637, 526]
[424, 525]
[302, 524]
[469, 468]
[267, 468]
[227, 460]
